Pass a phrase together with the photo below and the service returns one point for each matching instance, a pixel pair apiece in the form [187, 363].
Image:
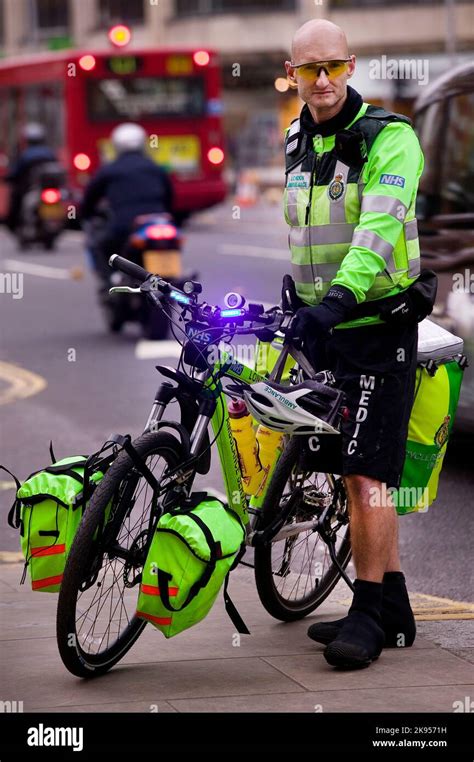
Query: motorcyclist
[19, 177]
[131, 185]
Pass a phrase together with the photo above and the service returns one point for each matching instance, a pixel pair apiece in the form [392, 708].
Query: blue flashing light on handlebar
[231, 313]
[179, 297]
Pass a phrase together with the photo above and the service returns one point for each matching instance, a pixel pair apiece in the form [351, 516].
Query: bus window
[44, 103]
[457, 161]
[142, 97]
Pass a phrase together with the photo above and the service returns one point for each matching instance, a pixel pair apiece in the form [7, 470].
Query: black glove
[320, 320]
[399, 309]
[290, 301]
[414, 304]
[423, 292]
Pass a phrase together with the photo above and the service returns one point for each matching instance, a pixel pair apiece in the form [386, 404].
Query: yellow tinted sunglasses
[313, 70]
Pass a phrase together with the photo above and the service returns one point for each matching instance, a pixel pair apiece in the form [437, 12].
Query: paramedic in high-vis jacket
[352, 173]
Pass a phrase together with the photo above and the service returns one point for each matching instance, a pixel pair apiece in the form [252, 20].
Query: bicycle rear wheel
[295, 573]
[96, 617]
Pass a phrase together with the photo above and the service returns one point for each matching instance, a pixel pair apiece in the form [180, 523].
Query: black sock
[397, 577]
[397, 615]
[368, 598]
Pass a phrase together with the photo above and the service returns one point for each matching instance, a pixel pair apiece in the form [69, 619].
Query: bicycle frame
[218, 418]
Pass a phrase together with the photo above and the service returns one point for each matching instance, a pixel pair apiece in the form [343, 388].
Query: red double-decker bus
[81, 96]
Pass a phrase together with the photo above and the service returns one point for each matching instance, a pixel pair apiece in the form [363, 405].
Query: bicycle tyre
[273, 601]
[75, 658]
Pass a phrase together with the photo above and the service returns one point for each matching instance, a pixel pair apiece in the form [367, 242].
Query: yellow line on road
[432, 608]
[21, 383]
[439, 617]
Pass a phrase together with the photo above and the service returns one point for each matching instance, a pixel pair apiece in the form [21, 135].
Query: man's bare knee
[363, 491]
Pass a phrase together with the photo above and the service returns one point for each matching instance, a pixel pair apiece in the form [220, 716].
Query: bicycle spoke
[301, 561]
[102, 610]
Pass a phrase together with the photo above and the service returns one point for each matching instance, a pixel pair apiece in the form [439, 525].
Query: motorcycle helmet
[33, 132]
[305, 408]
[128, 137]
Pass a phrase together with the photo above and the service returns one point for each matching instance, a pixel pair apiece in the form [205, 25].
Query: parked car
[444, 120]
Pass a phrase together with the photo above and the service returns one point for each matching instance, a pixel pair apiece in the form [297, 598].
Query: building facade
[401, 46]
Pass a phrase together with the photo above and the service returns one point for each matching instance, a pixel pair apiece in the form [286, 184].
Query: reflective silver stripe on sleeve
[370, 240]
[317, 235]
[384, 205]
[291, 205]
[413, 267]
[309, 273]
[337, 209]
[411, 230]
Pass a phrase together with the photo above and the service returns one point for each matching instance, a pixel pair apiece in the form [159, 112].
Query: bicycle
[298, 524]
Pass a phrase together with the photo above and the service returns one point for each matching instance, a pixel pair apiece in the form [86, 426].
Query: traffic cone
[246, 193]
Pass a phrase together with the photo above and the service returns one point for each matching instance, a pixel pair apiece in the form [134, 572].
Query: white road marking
[11, 557]
[43, 271]
[262, 252]
[4, 485]
[146, 350]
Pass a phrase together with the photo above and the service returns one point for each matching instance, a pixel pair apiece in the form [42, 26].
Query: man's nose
[322, 79]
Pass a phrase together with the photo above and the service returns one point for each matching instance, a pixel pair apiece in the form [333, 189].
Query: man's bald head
[318, 40]
[322, 90]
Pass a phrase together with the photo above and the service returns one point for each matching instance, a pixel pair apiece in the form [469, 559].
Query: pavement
[210, 668]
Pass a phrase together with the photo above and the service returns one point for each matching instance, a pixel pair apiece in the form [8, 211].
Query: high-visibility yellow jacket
[352, 212]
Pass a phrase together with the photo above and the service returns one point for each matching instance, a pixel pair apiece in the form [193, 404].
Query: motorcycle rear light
[50, 196]
[160, 232]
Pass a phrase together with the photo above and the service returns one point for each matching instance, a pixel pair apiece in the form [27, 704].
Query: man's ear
[351, 67]
[290, 74]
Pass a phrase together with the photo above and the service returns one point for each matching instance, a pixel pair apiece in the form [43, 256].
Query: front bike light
[233, 299]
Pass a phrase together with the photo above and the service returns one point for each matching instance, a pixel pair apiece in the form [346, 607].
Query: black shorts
[375, 367]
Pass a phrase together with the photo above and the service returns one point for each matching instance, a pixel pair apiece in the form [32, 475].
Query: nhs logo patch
[392, 180]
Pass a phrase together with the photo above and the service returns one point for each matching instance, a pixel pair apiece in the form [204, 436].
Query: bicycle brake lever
[124, 290]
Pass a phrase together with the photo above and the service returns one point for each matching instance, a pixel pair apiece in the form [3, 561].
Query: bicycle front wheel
[96, 618]
[295, 573]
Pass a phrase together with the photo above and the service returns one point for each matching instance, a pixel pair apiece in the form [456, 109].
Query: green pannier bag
[48, 510]
[429, 429]
[192, 551]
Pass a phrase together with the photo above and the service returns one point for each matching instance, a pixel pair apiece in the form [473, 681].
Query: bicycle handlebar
[272, 320]
[129, 268]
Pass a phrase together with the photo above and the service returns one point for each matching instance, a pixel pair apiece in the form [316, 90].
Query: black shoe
[326, 632]
[398, 622]
[359, 642]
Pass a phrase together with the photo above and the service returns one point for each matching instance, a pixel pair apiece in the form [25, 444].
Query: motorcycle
[155, 243]
[43, 212]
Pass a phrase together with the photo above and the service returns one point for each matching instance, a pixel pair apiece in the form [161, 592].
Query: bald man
[352, 174]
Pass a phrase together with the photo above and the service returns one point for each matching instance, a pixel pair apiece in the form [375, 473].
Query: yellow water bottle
[268, 442]
[244, 436]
